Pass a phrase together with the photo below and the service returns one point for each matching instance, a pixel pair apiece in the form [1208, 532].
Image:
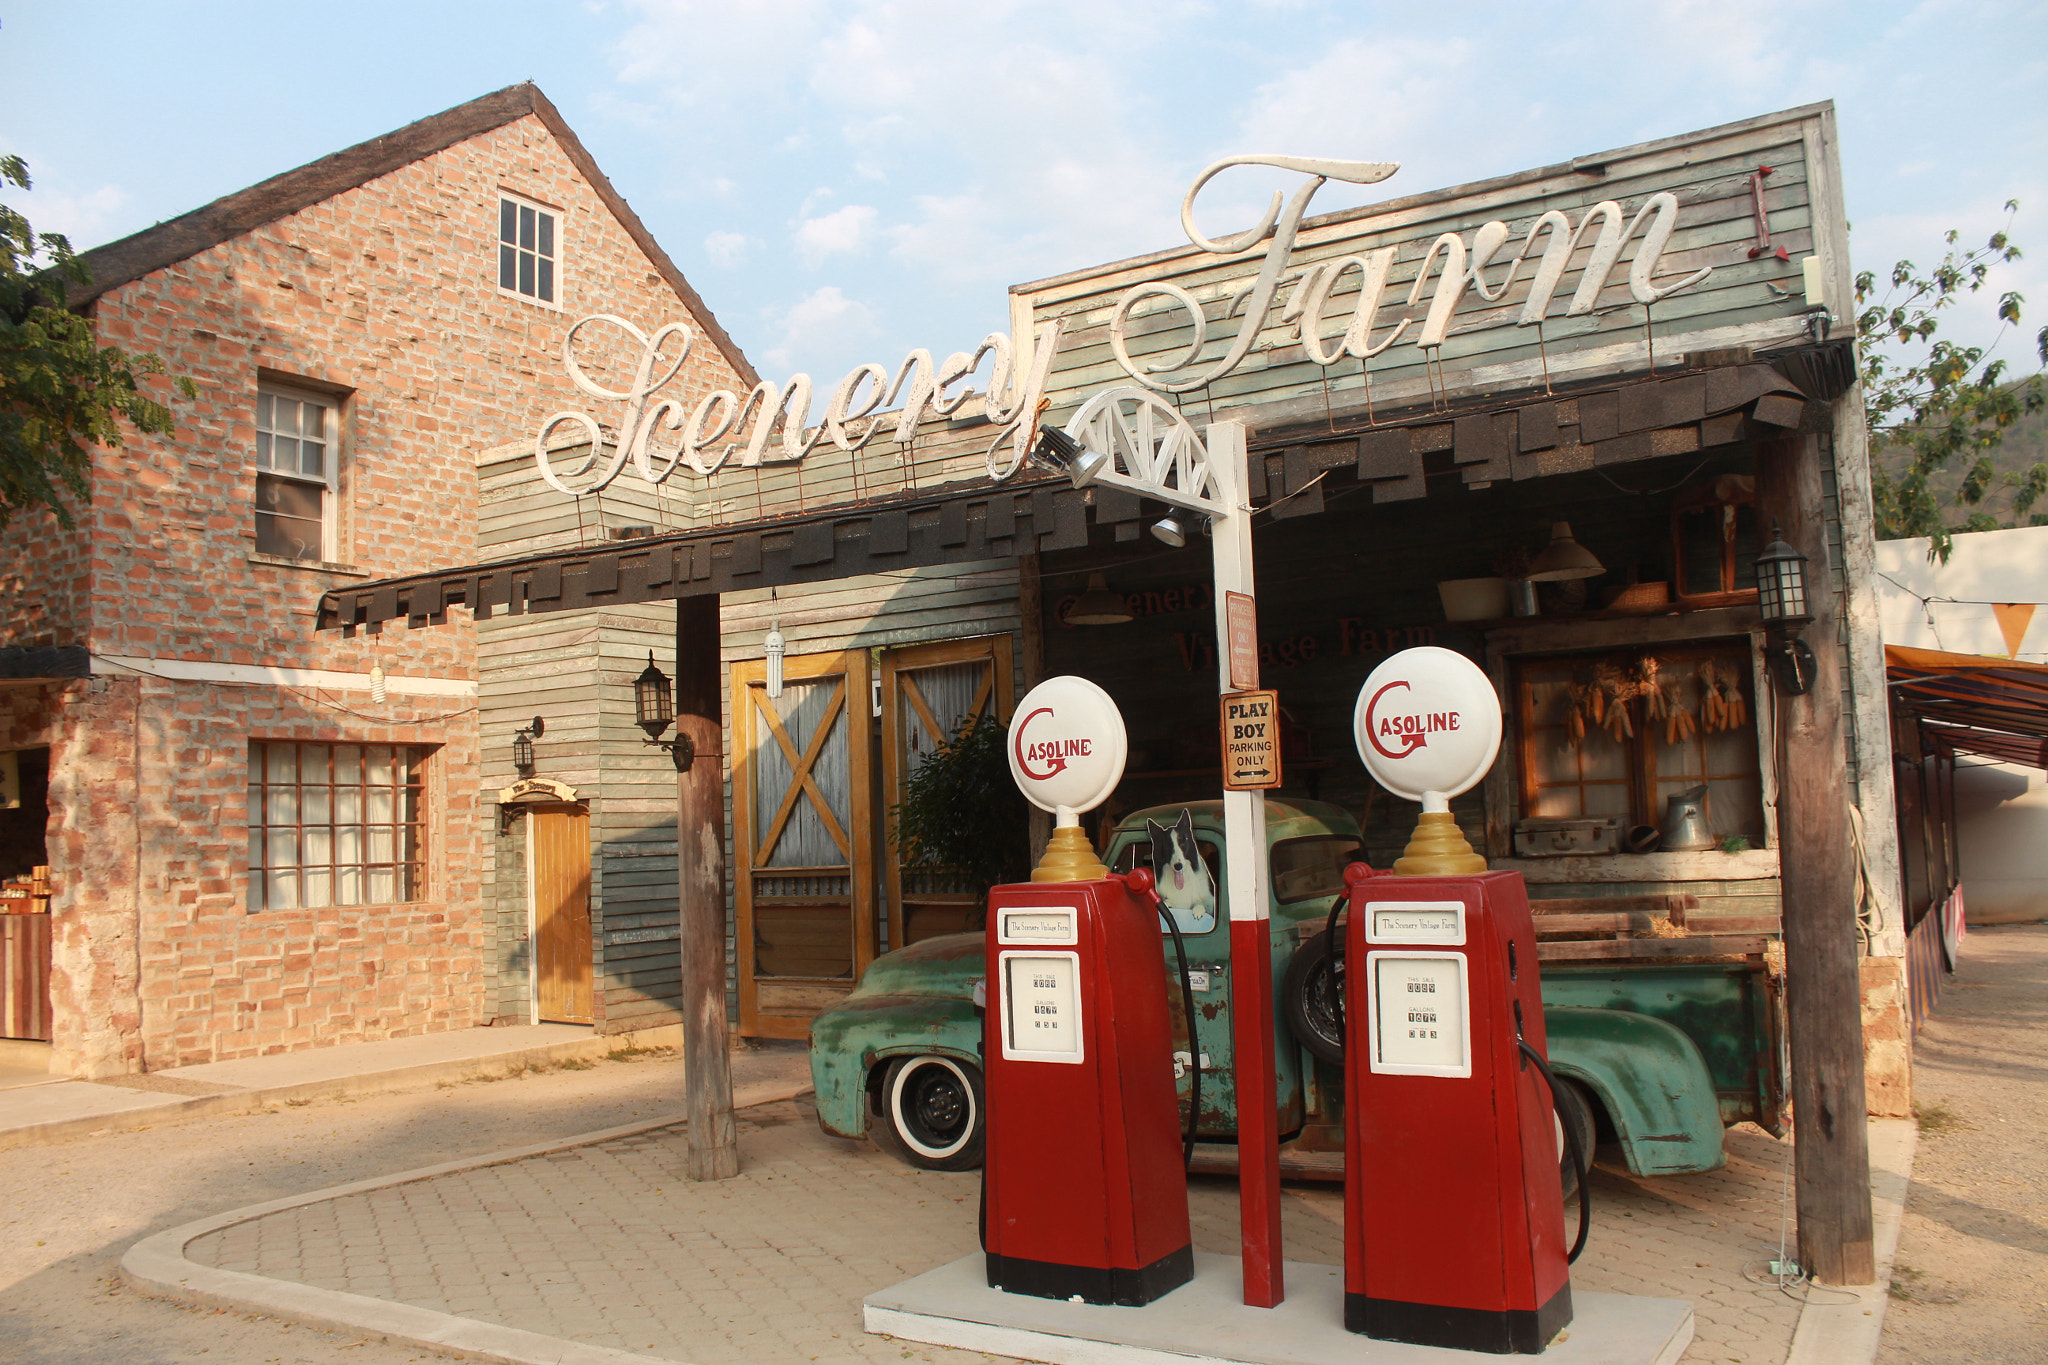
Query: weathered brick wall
[387, 294]
[218, 982]
[42, 582]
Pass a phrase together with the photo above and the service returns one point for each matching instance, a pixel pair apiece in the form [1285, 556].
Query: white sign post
[1135, 440]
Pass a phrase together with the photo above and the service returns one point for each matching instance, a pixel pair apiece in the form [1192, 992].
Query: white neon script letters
[658, 434]
[1456, 269]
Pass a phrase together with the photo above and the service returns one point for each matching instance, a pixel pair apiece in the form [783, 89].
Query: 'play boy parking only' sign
[1251, 741]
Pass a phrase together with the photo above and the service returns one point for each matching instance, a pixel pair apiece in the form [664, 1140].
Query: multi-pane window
[296, 459]
[1578, 760]
[335, 824]
[526, 250]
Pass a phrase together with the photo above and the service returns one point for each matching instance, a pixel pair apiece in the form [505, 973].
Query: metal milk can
[1685, 822]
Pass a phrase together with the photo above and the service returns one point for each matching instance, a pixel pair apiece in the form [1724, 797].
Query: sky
[843, 182]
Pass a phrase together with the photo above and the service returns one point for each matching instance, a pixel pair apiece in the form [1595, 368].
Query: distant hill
[2024, 446]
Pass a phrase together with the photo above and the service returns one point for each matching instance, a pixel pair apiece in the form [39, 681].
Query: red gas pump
[1086, 1196]
[1453, 1219]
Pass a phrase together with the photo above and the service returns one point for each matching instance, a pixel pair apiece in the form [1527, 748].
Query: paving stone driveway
[609, 1244]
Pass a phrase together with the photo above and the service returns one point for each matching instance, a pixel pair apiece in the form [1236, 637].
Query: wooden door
[803, 838]
[928, 691]
[558, 871]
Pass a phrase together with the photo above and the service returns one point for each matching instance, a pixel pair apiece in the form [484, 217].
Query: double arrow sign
[1251, 741]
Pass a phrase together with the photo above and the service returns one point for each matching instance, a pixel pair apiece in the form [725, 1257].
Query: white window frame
[559, 220]
[329, 483]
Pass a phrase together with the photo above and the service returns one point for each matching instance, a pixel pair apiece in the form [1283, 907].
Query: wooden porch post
[714, 1152]
[1824, 1001]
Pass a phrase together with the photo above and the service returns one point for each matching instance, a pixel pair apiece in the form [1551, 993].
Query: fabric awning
[1973, 703]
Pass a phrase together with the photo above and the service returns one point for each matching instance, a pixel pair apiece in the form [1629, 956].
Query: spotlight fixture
[654, 708]
[1098, 606]
[1062, 454]
[522, 745]
[1781, 602]
[1172, 529]
[1564, 558]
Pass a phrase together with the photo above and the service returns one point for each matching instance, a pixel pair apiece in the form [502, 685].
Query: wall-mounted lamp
[522, 746]
[1098, 606]
[1564, 558]
[654, 708]
[773, 648]
[1781, 601]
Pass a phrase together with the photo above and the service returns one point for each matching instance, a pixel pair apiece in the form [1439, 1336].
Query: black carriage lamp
[654, 707]
[1781, 601]
[522, 745]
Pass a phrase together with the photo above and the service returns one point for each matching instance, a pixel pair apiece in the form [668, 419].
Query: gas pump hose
[1187, 1004]
[1571, 1140]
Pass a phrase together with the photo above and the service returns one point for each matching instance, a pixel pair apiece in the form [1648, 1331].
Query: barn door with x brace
[928, 691]
[803, 838]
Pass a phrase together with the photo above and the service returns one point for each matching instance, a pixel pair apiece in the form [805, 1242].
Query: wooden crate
[25, 976]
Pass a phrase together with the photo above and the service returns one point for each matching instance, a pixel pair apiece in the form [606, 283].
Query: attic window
[527, 246]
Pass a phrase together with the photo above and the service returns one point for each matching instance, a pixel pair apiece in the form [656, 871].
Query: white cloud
[836, 233]
[727, 249]
[824, 321]
[87, 218]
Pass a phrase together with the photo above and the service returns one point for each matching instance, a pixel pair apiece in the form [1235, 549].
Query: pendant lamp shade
[773, 648]
[1098, 606]
[1564, 558]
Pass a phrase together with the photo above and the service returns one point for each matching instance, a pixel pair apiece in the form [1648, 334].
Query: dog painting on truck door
[1185, 886]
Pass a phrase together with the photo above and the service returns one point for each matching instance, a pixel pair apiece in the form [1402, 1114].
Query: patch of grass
[298, 1104]
[575, 1064]
[633, 1052]
[1935, 1119]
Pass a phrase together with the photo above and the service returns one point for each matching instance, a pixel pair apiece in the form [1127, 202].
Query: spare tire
[1312, 998]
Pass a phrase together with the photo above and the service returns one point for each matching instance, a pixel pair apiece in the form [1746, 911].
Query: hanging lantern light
[377, 692]
[653, 704]
[522, 745]
[773, 647]
[1782, 603]
[1781, 584]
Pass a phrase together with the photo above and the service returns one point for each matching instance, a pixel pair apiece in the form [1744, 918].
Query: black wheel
[931, 1113]
[1312, 997]
[1574, 1108]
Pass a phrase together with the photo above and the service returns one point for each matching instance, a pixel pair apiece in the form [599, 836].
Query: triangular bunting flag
[2013, 618]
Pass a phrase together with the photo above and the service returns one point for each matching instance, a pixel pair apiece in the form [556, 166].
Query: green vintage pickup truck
[1657, 1055]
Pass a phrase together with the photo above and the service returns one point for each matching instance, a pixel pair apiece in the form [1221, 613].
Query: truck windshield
[1304, 869]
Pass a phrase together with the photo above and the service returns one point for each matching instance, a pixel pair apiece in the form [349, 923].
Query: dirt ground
[1971, 1281]
[68, 1212]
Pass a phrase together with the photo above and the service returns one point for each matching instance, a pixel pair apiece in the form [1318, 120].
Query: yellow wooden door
[803, 838]
[928, 692]
[558, 843]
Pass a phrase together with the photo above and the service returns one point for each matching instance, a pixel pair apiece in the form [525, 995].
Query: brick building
[262, 838]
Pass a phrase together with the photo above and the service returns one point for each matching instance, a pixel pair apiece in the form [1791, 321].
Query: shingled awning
[1973, 703]
[1481, 440]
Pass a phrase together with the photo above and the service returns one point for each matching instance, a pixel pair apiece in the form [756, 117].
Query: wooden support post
[1824, 1003]
[713, 1152]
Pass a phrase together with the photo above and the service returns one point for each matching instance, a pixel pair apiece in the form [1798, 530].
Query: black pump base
[1124, 1288]
[1507, 1331]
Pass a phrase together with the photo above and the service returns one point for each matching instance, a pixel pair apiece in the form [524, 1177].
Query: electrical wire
[383, 719]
